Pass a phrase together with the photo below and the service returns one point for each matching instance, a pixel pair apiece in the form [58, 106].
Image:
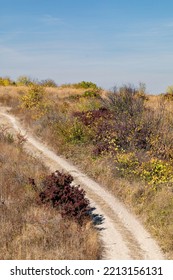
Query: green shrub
[86, 85]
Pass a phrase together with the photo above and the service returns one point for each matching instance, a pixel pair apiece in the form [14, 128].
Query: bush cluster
[131, 133]
[6, 81]
[26, 81]
[120, 123]
[138, 127]
[122, 126]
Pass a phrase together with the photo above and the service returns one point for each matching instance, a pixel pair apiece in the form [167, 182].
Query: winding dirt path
[123, 235]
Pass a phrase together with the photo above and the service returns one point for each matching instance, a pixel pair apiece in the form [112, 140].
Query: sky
[108, 42]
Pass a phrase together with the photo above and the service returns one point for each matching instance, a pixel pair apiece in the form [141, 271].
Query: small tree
[48, 83]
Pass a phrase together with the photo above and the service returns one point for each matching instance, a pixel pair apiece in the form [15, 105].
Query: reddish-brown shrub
[70, 200]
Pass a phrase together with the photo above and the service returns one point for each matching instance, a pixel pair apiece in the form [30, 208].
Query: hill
[122, 139]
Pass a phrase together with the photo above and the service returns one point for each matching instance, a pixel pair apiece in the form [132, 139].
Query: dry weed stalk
[21, 138]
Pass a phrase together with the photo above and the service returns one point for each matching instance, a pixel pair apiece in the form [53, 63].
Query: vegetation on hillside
[123, 138]
[28, 81]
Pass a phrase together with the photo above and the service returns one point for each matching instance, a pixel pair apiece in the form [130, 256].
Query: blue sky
[109, 42]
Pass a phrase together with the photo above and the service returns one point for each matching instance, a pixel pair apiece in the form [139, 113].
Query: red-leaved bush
[68, 199]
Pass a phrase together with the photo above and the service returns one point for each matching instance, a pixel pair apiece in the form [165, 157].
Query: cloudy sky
[109, 42]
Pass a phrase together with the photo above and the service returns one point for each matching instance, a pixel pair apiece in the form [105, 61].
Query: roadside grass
[128, 148]
[30, 230]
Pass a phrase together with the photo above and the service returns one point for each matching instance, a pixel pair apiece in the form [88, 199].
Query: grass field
[123, 139]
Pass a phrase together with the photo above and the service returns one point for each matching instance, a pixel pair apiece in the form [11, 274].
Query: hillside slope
[123, 235]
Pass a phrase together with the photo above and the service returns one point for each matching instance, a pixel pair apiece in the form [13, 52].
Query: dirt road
[123, 235]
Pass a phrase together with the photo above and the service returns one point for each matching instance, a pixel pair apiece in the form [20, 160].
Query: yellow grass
[28, 230]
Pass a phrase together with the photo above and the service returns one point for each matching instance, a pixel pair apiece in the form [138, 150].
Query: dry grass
[61, 92]
[9, 96]
[29, 230]
[154, 206]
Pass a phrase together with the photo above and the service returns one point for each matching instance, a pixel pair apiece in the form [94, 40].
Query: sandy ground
[122, 234]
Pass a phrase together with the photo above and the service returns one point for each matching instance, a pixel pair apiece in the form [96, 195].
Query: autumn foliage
[59, 193]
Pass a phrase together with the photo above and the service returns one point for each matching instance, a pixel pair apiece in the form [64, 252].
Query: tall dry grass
[9, 96]
[29, 230]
